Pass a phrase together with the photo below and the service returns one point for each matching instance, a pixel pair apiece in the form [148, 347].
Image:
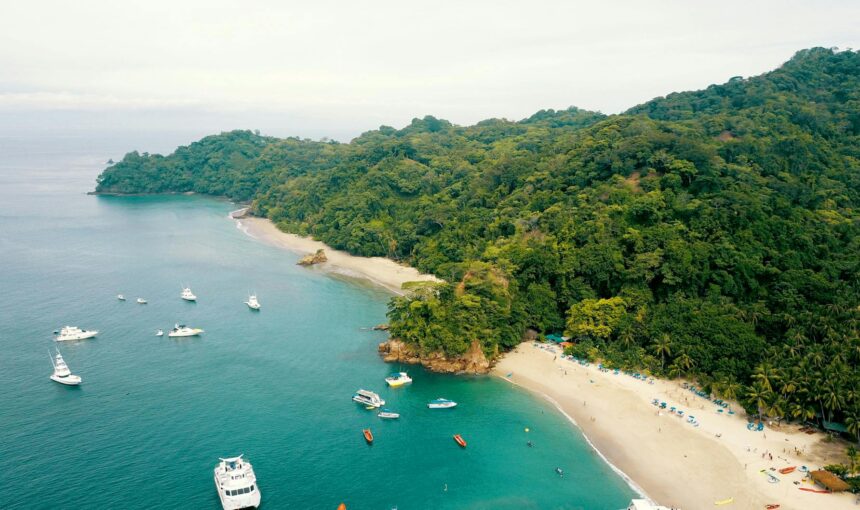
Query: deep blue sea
[146, 427]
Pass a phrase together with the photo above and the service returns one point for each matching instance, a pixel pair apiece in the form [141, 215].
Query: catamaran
[441, 403]
[398, 379]
[236, 484]
[74, 333]
[252, 302]
[183, 330]
[187, 295]
[62, 374]
[368, 398]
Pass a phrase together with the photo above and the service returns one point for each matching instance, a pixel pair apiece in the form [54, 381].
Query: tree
[662, 347]
[595, 318]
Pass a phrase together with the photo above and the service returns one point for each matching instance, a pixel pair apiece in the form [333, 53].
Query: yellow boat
[398, 379]
[722, 502]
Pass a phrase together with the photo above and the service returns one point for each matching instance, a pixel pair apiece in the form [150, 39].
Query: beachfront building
[829, 481]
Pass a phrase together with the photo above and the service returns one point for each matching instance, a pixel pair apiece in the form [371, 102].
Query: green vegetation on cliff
[711, 233]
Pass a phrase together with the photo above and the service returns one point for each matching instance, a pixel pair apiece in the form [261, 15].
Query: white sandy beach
[379, 270]
[673, 462]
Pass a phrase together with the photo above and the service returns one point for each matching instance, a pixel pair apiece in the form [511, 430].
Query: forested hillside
[710, 233]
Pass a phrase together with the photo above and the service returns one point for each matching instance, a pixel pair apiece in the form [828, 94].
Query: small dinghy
[141, 301]
[368, 436]
[559, 471]
[120, 297]
[787, 470]
[388, 415]
[159, 333]
[459, 439]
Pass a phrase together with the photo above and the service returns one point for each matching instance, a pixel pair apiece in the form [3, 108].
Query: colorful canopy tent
[829, 481]
[556, 338]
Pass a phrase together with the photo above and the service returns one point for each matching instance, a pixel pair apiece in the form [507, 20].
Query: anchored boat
[441, 403]
[236, 484]
[368, 436]
[74, 333]
[187, 295]
[398, 379]
[388, 415]
[183, 330]
[368, 398]
[62, 374]
[460, 440]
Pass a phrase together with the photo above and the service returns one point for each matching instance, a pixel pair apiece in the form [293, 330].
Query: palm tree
[852, 423]
[766, 374]
[663, 348]
[851, 452]
[758, 395]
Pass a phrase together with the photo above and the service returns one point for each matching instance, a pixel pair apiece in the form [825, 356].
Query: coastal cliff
[472, 361]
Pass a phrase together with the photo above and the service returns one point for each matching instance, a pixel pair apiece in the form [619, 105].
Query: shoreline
[665, 458]
[380, 271]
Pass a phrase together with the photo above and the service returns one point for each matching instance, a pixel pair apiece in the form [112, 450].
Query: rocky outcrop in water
[472, 361]
[316, 258]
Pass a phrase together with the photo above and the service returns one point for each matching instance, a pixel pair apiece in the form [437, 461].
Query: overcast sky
[320, 68]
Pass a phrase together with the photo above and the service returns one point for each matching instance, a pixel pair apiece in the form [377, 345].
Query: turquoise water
[154, 414]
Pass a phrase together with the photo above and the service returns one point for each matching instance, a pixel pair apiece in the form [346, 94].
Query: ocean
[154, 414]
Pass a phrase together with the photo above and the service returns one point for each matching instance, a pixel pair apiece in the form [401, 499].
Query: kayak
[368, 436]
[724, 502]
[787, 470]
[817, 491]
[460, 440]
[773, 506]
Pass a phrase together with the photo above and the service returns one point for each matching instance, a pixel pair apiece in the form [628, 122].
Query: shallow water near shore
[153, 415]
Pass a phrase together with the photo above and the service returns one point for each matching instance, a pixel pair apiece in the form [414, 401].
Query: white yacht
[441, 403]
[120, 297]
[187, 295]
[159, 333]
[386, 414]
[141, 301]
[62, 374]
[368, 398]
[398, 379]
[236, 484]
[183, 330]
[74, 333]
[252, 302]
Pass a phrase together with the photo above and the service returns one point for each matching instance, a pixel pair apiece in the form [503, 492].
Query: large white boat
[62, 374]
[183, 330]
[187, 295]
[441, 403]
[368, 398]
[398, 379]
[236, 484]
[74, 333]
[252, 302]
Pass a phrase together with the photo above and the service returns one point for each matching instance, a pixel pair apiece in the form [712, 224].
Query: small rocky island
[472, 361]
[315, 258]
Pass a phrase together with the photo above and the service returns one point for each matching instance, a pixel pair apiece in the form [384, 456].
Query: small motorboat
[368, 436]
[388, 415]
[787, 470]
[460, 440]
[120, 297]
[559, 471]
[159, 333]
[141, 301]
[441, 403]
[398, 379]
